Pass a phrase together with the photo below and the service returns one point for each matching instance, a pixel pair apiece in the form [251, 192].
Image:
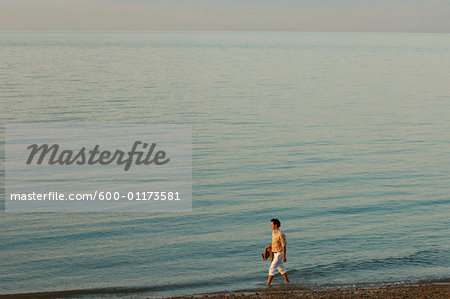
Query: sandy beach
[423, 290]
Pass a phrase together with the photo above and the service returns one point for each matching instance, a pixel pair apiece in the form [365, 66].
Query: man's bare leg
[269, 280]
[285, 277]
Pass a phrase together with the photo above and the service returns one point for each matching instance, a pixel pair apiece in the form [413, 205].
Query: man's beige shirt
[278, 240]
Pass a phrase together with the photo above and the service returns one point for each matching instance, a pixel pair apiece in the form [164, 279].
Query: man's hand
[284, 259]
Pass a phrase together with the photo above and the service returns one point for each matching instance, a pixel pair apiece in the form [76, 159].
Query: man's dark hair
[276, 222]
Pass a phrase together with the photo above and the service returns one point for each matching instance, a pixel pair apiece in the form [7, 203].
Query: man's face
[272, 225]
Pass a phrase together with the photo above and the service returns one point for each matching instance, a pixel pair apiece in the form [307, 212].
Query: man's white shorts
[277, 263]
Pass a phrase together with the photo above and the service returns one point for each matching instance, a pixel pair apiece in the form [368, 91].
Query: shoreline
[432, 288]
[439, 288]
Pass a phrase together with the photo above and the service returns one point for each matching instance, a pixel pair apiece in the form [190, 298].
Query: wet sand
[430, 290]
[436, 289]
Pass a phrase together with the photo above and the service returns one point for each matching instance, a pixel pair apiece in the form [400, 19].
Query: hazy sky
[292, 15]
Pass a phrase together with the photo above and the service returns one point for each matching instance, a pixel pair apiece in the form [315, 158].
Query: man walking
[279, 251]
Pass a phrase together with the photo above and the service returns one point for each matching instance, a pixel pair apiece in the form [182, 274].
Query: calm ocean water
[345, 137]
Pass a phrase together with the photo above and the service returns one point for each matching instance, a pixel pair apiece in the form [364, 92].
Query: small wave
[432, 257]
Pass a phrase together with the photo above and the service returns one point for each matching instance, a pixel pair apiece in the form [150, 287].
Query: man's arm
[283, 243]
